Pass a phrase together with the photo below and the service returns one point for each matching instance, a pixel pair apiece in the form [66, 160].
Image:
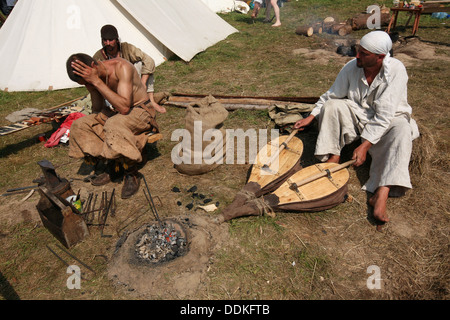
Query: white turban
[377, 42]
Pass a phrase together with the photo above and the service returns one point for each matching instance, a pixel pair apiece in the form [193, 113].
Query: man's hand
[301, 124]
[88, 73]
[360, 153]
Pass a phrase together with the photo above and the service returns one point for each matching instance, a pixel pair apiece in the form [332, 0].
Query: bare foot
[255, 11]
[276, 24]
[379, 202]
[334, 158]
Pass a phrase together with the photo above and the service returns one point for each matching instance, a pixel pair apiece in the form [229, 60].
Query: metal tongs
[149, 198]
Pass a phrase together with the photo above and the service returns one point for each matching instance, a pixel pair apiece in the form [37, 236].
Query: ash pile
[183, 277]
[160, 243]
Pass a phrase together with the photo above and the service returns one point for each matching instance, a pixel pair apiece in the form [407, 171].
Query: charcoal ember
[190, 206]
[347, 50]
[193, 189]
[160, 243]
[207, 201]
[179, 203]
[176, 189]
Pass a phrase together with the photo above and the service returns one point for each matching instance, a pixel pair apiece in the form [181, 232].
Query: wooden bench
[411, 12]
[427, 7]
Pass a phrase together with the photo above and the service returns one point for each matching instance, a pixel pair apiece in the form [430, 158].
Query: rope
[263, 207]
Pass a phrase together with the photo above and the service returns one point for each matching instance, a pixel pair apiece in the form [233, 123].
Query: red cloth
[57, 135]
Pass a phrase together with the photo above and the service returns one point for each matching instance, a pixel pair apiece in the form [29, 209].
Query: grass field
[294, 256]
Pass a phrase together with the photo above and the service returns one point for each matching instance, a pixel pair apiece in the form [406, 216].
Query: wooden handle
[281, 148]
[325, 173]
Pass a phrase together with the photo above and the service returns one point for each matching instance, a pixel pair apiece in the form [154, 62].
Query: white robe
[376, 113]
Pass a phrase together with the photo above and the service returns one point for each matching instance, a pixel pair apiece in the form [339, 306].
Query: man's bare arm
[122, 101]
[98, 103]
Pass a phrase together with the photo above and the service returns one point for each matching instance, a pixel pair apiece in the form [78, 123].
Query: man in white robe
[368, 101]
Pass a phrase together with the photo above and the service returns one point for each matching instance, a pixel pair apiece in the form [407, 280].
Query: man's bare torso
[139, 90]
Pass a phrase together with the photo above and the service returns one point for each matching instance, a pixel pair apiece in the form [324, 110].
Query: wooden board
[319, 188]
[288, 157]
[154, 137]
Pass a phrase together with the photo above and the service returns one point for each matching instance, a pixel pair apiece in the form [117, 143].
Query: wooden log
[328, 24]
[345, 30]
[244, 99]
[328, 27]
[335, 27]
[305, 31]
[228, 106]
[359, 21]
[317, 27]
[275, 98]
[228, 100]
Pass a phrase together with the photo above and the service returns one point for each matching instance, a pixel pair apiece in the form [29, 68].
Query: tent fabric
[39, 35]
[221, 6]
[172, 23]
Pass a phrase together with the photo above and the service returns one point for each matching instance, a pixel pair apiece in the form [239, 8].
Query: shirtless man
[368, 100]
[113, 48]
[117, 133]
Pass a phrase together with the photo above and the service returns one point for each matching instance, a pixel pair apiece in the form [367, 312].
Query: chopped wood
[305, 31]
[359, 21]
[345, 30]
[335, 27]
[317, 27]
[327, 27]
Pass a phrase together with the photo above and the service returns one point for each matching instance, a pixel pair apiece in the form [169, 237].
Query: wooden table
[396, 10]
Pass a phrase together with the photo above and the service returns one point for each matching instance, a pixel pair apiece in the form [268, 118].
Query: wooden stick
[63, 104]
[324, 173]
[280, 148]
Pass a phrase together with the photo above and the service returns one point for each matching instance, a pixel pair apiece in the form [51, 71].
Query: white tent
[220, 5]
[39, 35]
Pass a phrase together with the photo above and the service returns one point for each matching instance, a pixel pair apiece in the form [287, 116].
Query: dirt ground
[411, 251]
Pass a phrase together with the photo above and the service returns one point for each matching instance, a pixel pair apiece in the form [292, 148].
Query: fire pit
[161, 242]
[167, 259]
